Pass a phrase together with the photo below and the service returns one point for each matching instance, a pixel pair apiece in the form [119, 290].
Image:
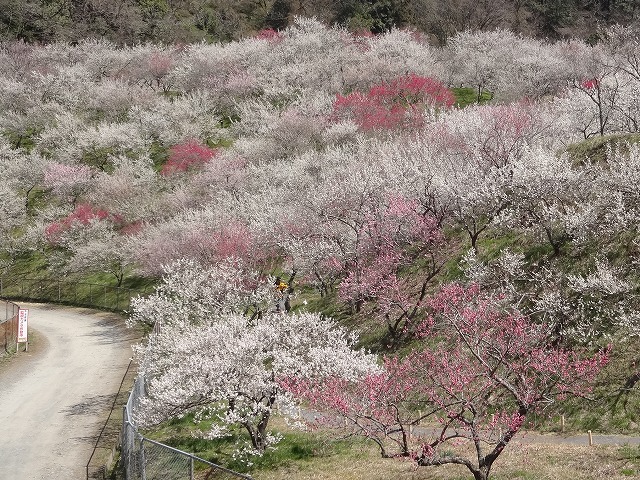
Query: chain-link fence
[105, 451]
[146, 459]
[68, 292]
[8, 325]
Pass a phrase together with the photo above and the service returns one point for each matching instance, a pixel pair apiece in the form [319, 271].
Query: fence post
[125, 419]
[143, 463]
[191, 468]
[125, 450]
[59, 291]
[6, 318]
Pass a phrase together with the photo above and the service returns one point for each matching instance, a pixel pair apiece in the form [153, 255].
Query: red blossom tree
[83, 214]
[399, 103]
[184, 156]
[270, 35]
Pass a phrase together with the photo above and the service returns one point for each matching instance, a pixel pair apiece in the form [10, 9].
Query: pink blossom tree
[500, 368]
[383, 406]
[159, 64]
[392, 240]
[483, 370]
[205, 235]
[68, 182]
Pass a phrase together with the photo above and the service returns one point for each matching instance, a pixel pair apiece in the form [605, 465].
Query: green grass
[100, 157]
[630, 455]
[219, 143]
[36, 199]
[159, 155]
[609, 409]
[295, 446]
[469, 96]
[305, 456]
[523, 475]
[594, 150]
[32, 264]
[24, 140]
[228, 119]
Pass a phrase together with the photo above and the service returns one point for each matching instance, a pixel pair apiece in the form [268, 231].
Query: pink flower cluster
[270, 35]
[590, 83]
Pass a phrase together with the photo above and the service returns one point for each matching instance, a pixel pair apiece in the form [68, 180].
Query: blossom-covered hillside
[351, 168]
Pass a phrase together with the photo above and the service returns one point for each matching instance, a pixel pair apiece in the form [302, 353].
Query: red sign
[23, 316]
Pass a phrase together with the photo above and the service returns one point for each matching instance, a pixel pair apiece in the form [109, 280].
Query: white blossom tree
[205, 356]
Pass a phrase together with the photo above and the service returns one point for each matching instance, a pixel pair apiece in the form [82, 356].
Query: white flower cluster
[207, 357]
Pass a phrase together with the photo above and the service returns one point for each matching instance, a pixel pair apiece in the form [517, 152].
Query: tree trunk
[481, 474]
[258, 434]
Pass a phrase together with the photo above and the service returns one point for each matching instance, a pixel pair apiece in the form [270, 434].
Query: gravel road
[55, 398]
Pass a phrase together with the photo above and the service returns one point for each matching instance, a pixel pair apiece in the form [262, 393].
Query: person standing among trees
[283, 293]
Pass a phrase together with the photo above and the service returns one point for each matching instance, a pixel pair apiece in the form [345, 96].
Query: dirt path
[535, 438]
[55, 398]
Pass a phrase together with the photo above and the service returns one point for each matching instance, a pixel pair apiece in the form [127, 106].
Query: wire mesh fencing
[146, 459]
[69, 292]
[8, 325]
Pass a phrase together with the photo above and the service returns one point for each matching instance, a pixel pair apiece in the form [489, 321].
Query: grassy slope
[306, 456]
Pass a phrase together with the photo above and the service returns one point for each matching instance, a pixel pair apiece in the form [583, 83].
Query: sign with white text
[23, 317]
